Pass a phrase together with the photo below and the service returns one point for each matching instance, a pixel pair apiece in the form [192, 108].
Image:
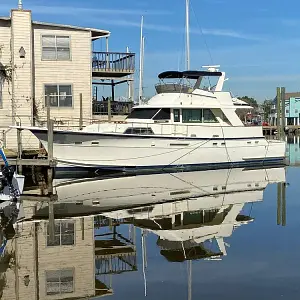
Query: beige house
[39, 59]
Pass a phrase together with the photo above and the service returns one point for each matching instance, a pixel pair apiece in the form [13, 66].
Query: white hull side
[160, 152]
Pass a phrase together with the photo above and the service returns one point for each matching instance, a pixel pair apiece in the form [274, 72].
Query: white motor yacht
[186, 124]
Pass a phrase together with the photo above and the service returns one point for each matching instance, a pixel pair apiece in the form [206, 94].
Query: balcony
[113, 64]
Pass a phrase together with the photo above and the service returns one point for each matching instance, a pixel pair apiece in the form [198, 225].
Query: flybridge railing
[113, 62]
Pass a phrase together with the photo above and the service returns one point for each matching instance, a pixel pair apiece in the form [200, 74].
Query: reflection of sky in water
[262, 262]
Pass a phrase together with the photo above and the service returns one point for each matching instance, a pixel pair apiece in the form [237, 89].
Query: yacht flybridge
[187, 123]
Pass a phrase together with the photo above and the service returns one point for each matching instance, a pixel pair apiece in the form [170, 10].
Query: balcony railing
[117, 108]
[113, 63]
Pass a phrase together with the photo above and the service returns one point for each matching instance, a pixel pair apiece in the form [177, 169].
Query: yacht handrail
[185, 130]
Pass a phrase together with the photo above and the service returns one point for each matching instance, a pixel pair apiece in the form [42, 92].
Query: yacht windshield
[143, 113]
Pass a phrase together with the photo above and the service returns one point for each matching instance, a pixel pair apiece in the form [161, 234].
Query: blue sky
[256, 42]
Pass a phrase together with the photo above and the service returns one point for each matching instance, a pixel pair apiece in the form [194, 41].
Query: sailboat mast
[141, 64]
[187, 16]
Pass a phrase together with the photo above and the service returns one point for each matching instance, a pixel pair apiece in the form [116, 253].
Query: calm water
[223, 234]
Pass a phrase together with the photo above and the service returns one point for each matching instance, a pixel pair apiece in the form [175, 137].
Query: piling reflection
[76, 247]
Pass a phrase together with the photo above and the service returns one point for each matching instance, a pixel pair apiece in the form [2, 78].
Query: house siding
[5, 108]
[31, 73]
[76, 72]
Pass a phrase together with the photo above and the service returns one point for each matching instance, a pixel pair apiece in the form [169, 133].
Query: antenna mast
[141, 63]
[20, 5]
[187, 16]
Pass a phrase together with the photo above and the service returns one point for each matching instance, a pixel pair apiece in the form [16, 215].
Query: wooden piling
[51, 221]
[80, 112]
[278, 99]
[48, 109]
[109, 100]
[50, 125]
[283, 197]
[279, 195]
[282, 96]
[20, 150]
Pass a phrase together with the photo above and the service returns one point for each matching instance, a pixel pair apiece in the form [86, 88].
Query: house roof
[96, 33]
[292, 95]
[288, 96]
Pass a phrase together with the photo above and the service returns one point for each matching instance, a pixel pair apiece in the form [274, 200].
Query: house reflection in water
[293, 150]
[69, 267]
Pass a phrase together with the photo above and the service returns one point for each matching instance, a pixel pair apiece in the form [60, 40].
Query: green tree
[251, 101]
[267, 107]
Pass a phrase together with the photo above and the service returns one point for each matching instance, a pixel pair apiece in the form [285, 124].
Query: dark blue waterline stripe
[138, 136]
[206, 166]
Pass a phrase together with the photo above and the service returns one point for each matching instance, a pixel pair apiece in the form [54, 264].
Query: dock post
[278, 100]
[48, 108]
[20, 150]
[279, 203]
[50, 156]
[80, 112]
[51, 220]
[282, 112]
[50, 126]
[283, 196]
[109, 100]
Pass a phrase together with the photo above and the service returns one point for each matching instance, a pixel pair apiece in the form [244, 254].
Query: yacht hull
[100, 151]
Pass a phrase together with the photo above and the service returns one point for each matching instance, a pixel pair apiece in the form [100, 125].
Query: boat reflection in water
[142, 190]
[95, 240]
[213, 212]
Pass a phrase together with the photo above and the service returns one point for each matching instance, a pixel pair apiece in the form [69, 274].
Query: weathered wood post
[109, 100]
[80, 112]
[48, 109]
[51, 220]
[283, 112]
[50, 180]
[50, 155]
[279, 195]
[283, 197]
[278, 104]
[20, 150]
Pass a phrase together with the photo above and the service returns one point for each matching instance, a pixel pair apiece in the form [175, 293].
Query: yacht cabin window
[198, 116]
[163, 114]
[176, 113]
[208, 116]
[139, 130]
[192, 115]
[143, 113]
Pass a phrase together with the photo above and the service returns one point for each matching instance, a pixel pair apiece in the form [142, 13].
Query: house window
[56, 47]
[287, 111]
[60, 95]
[176, 115]
[60, 282]
[64, 234]
[192, 115]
